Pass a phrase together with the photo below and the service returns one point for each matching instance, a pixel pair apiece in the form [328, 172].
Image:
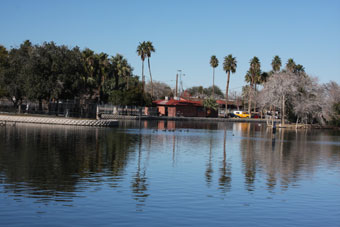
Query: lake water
[169, 174]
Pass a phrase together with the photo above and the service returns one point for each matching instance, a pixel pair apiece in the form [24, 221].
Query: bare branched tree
[331, 103]
[160, 90]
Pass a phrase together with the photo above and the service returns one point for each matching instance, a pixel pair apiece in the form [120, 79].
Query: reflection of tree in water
[209, 170]
[52, 163]
[225, 170]
[285, 157]
[249, 161]
[139, 183]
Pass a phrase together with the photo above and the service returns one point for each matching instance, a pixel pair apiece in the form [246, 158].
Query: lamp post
[178, 72]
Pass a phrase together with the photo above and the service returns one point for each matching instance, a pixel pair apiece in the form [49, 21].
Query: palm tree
[214, 64]
[103, 64]
[255, 74]
[88, 78]
[148, 50]
[120, 68]
[276, 63]
[142, 54]
[229, 65]
[299, 69]
[290, 66]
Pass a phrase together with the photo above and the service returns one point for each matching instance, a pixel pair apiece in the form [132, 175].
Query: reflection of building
[183, 108]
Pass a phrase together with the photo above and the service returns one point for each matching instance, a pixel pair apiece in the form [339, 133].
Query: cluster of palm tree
[144, 50]
[229, 65]
[254, 75]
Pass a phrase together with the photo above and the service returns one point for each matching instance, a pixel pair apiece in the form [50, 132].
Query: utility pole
[176, 84]
[178, 72]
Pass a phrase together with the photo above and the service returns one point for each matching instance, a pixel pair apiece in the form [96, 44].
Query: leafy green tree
[149, 48]
[3, 56]
[3, 67]
[229, 65]
[213, 91]
[42, 82]
[69, 70]
[14, 73]
[134, 96]
[276, 63]
[213, 64]
[199, 91]
[210, 103]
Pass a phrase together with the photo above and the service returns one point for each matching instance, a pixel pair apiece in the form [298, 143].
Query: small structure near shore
[183, 108]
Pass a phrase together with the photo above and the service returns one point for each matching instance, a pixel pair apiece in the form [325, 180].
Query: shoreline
[112, 121]
[13, 119]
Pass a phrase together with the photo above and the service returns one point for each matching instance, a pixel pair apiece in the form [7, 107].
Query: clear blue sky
[186, 33]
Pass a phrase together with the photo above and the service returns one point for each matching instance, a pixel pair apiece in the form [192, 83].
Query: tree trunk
[213, 88]
[57, 108]
[226, 93]
[143, 79]
[19, 106]
[150, 78]
[99, 91]
[283, 110]
[255, 100]
[127, 83]
[40, 106]
[249, 100]
[116, 81]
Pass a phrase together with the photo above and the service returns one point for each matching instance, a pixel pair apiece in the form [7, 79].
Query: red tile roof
[181, 102]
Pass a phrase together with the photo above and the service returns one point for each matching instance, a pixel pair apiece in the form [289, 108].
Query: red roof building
[183, 108]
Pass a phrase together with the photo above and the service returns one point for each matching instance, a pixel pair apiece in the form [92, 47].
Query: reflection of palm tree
[209, 170]
[250, 167]
[225, 170]
[139, 185]
[173, 149]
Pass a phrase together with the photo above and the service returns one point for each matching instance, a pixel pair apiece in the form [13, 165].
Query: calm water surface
[191, 174]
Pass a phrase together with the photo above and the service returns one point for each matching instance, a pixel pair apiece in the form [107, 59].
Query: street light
[179, 71]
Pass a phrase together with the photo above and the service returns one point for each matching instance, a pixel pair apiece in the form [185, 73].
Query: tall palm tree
[276, 63]
[214, 64]
[141, 52]
[255, 74]
[88, 78]
[149, 48]
[229, 65]
[290, 66]
[103, 66]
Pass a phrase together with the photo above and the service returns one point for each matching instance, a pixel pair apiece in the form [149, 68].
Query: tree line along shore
[49, 73]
